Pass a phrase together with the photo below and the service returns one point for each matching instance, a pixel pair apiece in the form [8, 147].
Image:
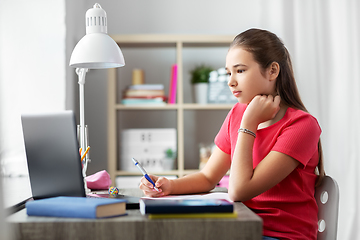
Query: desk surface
[15, 190]
[136, 226]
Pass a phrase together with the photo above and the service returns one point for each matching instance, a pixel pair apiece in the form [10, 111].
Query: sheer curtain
[323, 38]
[333, 41]
[32, 76]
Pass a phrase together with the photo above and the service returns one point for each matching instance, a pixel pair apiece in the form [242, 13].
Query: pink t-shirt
[289, 209]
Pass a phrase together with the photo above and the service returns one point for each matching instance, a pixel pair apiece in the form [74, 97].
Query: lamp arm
[81, 72]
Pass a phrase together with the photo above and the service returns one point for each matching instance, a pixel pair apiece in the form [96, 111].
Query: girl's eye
[240, 71]
[228, 74]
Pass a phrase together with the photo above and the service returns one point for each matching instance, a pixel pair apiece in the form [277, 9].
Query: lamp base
[87, 190]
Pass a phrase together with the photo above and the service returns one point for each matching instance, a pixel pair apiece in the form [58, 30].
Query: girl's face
[245, 77]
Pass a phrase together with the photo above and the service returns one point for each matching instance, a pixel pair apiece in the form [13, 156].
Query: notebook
[53, 158]
[167, 206]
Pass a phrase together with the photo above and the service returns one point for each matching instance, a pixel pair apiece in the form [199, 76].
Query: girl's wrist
[247, 131]
[171, 186]
[250, 126]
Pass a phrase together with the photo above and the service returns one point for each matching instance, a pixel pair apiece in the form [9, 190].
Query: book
[144, 101]
[146, 97]
[161, 206]
[156, 100]
[173, 85]
[143, 92]
[210, 195]
[193, 215]
[76, 207]
[146, 87]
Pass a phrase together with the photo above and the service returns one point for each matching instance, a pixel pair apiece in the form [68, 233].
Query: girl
[269, 141]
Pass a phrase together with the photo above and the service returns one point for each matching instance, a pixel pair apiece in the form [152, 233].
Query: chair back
[327, 199]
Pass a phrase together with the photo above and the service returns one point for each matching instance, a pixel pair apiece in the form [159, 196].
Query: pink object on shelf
[100, 180]
[173, 85]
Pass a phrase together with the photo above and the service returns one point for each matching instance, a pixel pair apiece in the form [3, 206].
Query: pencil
[87, 150]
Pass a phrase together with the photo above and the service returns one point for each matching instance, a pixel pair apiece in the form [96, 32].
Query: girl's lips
[236, 93]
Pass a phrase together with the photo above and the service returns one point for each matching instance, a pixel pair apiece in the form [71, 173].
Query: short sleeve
[299, 139]
[222, 139]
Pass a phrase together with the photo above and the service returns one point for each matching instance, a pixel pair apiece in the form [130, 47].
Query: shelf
[174, 106]
[146, 107]
[207, 106]
[188, 118]
[173, 172]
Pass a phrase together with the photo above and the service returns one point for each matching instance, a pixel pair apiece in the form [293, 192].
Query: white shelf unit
[179, 43]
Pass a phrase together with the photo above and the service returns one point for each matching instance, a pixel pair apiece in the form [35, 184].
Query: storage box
[148, 146]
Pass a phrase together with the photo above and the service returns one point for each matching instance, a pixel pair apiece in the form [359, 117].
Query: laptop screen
[52, 153]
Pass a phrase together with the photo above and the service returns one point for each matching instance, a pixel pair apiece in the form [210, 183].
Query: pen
[142, 170]
[87, 150]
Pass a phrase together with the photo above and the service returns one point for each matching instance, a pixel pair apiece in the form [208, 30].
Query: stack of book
[187, 208]
[144, 94]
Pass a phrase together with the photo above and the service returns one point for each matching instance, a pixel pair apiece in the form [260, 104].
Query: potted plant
[169, 160]
[200, 81]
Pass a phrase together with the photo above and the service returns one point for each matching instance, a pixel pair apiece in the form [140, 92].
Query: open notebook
[212, 195]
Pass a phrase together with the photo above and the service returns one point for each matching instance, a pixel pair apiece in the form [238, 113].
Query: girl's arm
[207, 178]
[203, 181]
[246, 182]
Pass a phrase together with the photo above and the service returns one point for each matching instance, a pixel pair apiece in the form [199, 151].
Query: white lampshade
[96, 49]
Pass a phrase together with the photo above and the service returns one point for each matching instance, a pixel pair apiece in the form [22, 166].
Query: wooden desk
[136, 226]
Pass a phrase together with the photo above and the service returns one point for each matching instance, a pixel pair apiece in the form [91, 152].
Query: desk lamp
[96, 50]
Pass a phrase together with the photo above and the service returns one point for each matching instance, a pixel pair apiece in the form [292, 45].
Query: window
[32, 70]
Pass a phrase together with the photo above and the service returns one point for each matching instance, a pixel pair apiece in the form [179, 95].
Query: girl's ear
[274, 70]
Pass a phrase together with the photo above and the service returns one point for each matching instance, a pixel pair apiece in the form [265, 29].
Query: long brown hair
[267, 48]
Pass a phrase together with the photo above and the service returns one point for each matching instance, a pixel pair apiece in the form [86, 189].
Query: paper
[215, 195]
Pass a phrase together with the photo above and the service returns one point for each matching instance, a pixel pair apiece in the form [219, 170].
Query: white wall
[32, 63]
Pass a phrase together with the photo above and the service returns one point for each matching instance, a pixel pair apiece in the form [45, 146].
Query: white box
[148, 146]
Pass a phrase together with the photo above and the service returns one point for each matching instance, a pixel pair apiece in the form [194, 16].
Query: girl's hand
[261, 109]
[163, 184]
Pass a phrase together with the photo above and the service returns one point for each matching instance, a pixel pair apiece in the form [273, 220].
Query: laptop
[53, 158]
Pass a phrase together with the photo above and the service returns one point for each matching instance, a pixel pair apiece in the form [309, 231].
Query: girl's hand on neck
[261, 109]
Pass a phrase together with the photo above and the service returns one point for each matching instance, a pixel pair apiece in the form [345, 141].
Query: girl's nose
[232, 82]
